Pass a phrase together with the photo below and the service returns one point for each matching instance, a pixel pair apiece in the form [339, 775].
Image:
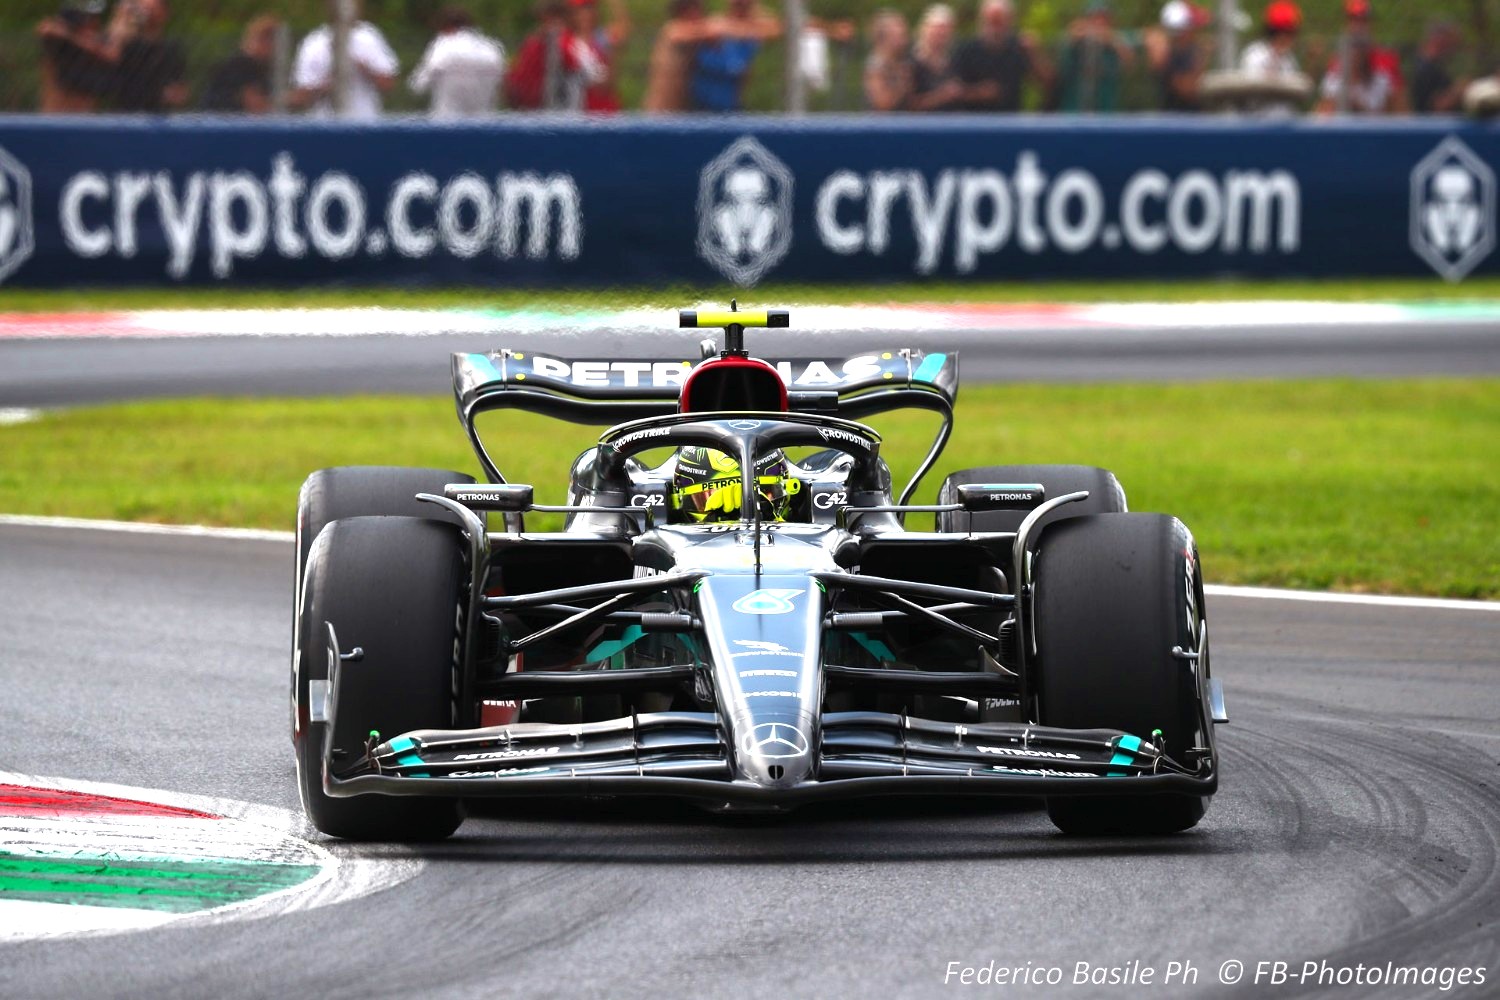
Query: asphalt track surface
[42, 373]
[1357, 822]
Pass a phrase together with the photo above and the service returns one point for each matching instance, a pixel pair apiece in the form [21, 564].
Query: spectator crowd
[123, 58]
[1083, 72]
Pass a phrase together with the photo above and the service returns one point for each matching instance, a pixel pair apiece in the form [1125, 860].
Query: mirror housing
[978, 497]
[814, 402]
[510, 498]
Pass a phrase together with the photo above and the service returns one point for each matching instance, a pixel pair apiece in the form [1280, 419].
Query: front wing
[684, 754]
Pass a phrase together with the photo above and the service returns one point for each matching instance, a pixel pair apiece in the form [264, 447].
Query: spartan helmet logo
[1453, 209]
[745, 212]
[745, 223]
[1453, 216]
[15, 215]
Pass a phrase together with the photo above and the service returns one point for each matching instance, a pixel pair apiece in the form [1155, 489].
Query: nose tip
[778, 754]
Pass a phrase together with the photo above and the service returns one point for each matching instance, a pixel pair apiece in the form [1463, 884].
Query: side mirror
[509, 498]
[814, 402]
[976, 497]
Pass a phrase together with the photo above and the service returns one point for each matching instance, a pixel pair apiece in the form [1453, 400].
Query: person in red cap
[605, 42]
[1274, 57]
[1383, 62]
[1364, 88]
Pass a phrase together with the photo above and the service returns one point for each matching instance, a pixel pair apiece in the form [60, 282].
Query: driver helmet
[707, 485]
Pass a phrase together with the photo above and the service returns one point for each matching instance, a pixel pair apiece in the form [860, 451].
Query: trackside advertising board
[537, 201]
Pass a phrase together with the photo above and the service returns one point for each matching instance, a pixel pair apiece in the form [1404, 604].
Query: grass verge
[1392, 290]
[1377, 486]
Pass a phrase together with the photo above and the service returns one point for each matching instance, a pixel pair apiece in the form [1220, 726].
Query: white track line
[143, 528]
[1216, 590]
[1326, 597]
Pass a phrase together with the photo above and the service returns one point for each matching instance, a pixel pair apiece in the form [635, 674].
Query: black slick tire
[395, 588]
[1115, 593]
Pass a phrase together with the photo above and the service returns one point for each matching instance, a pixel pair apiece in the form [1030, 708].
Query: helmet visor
[723, 498]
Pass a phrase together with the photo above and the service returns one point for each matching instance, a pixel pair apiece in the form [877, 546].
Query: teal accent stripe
[482, 364]
[1124, 754]
[1128, 744]
[874, 647]
[408, 756]
[614, 647]
[928, 370]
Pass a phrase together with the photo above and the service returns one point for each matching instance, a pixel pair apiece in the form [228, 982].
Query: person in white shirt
[1274, 57]
[462, 69]
[373, 69]
[1372, 89]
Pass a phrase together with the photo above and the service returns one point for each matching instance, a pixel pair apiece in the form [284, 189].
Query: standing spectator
[242, 83]
[687, 27]
[605, 42]
[150, 70]
[935, 83]
[76, 68]
[721, 66]
[373, 69]
[554, 67]
[994, 65]
[888, 70]
[1358, 30]
[1181, 71]
[1094, 59]
[461, 68]
[1371, 88]
[1434, 91]
[1274, 57]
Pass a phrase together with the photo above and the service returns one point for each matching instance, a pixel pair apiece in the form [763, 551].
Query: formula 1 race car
[735, 612]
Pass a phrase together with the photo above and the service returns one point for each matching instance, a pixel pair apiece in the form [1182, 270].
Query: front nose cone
[775, 752]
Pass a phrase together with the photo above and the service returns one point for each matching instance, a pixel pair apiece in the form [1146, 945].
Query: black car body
[1040, 642]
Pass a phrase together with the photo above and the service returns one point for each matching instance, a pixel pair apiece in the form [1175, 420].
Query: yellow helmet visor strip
[727, 494]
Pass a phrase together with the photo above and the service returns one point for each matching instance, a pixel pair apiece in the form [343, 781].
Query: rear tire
[1114, 594]
[355, 491]
[1105, 494]
[394, 587]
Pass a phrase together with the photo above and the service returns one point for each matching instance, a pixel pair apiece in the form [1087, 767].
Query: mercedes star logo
[775, 740]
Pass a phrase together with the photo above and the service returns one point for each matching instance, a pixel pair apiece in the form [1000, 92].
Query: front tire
[1114, 594]
[330, 495]
[394, 587]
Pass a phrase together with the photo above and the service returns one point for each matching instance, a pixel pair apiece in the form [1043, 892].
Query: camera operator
[150, 69]
[77, 69]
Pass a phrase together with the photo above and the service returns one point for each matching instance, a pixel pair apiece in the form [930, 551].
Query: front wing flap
[687, 754]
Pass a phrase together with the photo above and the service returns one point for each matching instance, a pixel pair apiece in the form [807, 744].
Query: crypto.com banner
[537, 201]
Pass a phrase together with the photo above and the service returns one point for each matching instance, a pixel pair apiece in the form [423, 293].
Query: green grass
[1393, 290]
[1378, 486]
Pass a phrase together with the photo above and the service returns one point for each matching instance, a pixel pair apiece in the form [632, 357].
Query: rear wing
[610, 391]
